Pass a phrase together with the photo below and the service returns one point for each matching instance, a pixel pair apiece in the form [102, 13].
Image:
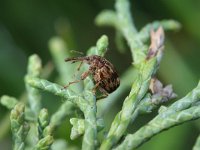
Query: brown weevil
[103, 73]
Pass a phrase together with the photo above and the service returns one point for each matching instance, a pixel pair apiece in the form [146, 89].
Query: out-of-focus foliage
[27, 26]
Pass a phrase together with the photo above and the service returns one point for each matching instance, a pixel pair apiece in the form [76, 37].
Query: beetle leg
[85, 74]
[66, 86]
[80, 65]
[78, 69]
[104, 95]
[101, 97]
[103, 91]
[95, 87]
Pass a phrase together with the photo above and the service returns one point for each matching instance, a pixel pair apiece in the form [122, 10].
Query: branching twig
[147, 68]
[45, 131]
[86, 101]
[177, 113]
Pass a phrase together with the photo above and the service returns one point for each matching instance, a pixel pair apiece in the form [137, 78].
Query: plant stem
[90, 125]
[53, 88]
[157, 125]
[88, 106]
[90, 109]
[128, 30]
[34, 97]
[179, 112]
[147, 65]
[123, 118]
[18, 126]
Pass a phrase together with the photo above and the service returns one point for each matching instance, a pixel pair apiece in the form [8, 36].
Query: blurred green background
[27, 26]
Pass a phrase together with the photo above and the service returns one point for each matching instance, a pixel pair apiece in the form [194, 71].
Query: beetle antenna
[77, 52]
[74, 59]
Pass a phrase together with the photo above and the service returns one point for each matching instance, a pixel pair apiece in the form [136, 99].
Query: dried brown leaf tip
[157, 42]
[161, 94]
[103, 72]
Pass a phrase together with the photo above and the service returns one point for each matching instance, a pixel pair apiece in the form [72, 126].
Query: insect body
[103, 72]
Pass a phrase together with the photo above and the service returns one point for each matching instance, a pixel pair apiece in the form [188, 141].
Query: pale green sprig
[34, 69]
[44, 143]
[102, 45]
[78, 128]
[146, 69]
[128, 30]
[100, 48]
[34, 97]
[107, 18]
[166, 24]
[176, 114]
[90, 129]
[123, 23]
[147, 66]
[54, 88]
[8, 101]
[123, 118]
[157, 125]
[19, 126]
[44, 130]
[90, 109]
[43, 121]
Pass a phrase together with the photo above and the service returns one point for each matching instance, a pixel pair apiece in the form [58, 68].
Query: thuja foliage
[33, 128]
